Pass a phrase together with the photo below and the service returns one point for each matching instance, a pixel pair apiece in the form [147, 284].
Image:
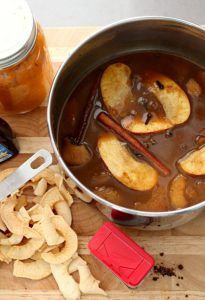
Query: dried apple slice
[123, 166]
[88, 284]
[75, 263]
[66, 283]
[62, 209]
[116, 88]
[41, 187]
[173, 100]
[70, 246]
[22, 251]
[177, 192]
[34, 270]
[14, 239]
[194, 162]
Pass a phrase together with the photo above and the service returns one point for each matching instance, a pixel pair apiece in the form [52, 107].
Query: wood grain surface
[184, 245]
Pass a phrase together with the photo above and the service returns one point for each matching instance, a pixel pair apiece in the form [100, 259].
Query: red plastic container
[120, 254]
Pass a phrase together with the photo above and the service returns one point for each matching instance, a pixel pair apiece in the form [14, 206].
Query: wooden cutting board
[184, 245]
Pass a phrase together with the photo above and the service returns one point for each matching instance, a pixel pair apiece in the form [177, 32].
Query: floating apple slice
[116, 89]
[109, 193]
[133, 173]
[177, 192]
[193, 88]
[173, 100]
[194, 162]
[136, 125]
[157, 202]
[75, 154]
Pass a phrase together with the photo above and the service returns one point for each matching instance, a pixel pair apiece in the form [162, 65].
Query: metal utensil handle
[24, 173]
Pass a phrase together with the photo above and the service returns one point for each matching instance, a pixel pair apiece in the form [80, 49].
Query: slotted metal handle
[24, 173]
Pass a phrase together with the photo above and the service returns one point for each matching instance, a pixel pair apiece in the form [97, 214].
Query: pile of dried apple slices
[36, 233]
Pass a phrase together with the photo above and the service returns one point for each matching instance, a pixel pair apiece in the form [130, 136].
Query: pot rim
[101, 200]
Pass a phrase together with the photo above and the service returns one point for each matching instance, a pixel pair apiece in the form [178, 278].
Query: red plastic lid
[121, 254]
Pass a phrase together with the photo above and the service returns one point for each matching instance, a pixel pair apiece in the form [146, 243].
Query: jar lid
[17, 33]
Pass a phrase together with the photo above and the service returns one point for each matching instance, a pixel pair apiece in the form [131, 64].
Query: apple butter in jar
[25, 68]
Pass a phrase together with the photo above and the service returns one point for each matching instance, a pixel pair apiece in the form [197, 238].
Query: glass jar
[26, 71]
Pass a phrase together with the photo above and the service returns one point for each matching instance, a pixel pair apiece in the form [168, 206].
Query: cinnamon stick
[87, 112]
[107, 121]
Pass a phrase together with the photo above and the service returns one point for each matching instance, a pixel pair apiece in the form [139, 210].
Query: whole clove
[168, 133]
[148, 117]
[160, 85]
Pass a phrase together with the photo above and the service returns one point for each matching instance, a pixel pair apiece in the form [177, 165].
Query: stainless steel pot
[133, 35]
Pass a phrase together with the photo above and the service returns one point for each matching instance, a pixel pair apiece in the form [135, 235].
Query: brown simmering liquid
[169, 146]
